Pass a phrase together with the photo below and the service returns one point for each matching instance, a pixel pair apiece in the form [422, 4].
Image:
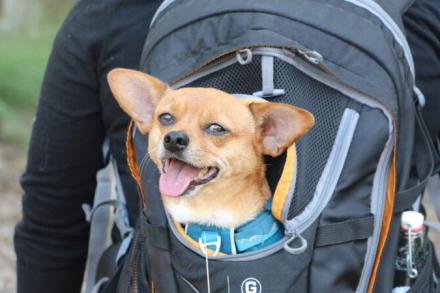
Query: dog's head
[207, 144]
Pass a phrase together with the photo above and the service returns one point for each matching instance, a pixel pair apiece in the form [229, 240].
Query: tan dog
[208, 145]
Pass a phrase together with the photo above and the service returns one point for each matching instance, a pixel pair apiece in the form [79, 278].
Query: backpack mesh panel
[326, 104]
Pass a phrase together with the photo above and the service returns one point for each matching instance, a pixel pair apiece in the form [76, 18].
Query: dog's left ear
[280, 125]
[137, 93]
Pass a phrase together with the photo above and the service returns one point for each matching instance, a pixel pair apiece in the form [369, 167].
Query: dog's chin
[181, 179]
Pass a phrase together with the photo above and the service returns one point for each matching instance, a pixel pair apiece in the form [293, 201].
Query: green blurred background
[27, 30]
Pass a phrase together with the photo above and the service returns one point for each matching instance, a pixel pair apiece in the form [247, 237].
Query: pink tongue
[177, 178]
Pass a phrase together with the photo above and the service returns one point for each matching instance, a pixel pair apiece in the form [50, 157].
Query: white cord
[204, 248]
[207, 273]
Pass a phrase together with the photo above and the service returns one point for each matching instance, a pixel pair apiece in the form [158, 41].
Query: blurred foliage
[23, 58]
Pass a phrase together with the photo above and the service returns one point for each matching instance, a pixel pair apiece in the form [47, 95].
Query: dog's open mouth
[179, 177]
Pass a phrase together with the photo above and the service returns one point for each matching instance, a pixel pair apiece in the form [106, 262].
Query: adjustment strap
[267, 75]
[350, 230]
[425, 157]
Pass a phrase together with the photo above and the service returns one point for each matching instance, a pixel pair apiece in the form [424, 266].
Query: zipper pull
[312, 56]
[298, 249]
[244, 56]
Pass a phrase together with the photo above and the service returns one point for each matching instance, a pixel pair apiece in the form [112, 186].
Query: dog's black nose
[176, 141]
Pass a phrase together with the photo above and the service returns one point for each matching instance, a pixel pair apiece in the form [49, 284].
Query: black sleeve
[422, 23]
[65, 149]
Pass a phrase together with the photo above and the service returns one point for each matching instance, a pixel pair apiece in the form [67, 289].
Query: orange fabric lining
[283, 186]
[192, 241]
[388, 215]
[131, 161]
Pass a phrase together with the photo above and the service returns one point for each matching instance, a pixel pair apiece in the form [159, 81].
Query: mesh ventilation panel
[327, 105]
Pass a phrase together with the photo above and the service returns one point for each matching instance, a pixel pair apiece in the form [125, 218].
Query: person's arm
[76, 110]
[422, 23]
[64, 155]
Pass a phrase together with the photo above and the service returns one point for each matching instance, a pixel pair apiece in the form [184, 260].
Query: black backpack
[341, 191]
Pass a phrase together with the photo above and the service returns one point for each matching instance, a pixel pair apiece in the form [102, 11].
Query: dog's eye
[166, 119]
[215, 129]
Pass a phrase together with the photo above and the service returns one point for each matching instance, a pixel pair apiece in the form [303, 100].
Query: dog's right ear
[137, 93]
[280, 125]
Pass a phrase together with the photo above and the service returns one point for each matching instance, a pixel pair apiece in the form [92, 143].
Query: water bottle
[411, 254]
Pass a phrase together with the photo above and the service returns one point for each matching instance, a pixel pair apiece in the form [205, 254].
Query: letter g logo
[251, 285]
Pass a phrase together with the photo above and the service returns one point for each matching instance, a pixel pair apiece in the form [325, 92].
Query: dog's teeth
[203, 172]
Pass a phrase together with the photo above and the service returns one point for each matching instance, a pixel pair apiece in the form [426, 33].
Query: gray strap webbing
[350, 230]
[100, 222]
[267, 79]
[109, 209]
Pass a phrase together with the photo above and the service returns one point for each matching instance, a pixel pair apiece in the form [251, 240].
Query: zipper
[368, 5]
[134, 269]
[384, 18]
[379, 188]
[330, 176]
[381, 176]
[399, 36]
[391, 25]
[212, 65]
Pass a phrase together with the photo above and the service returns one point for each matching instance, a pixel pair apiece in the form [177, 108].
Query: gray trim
[329, 177]
[159, 10]
[378, 195]
[189, 284]
[326, 78]
[391, 25]
[399, 36]
[383, 166]
[210, 68]
[379, 187]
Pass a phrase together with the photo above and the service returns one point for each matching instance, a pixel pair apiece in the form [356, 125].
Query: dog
[208, 146]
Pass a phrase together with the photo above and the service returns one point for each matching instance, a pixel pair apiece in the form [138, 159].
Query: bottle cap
[412, 220]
